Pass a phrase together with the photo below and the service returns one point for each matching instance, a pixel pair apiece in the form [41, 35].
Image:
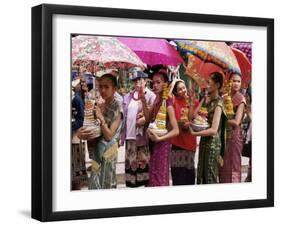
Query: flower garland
[165, 91]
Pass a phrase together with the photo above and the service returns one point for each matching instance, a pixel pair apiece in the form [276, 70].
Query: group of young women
[148, 156]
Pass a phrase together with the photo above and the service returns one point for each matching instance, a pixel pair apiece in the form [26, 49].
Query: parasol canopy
[100, 52]
[244, 64]
[199, 70]
[218, 53]
[245, 47]
[153, 51]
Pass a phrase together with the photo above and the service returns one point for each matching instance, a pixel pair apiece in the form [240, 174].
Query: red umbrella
[244, 64]
[153, 51]
[199, 70]
[245, 47]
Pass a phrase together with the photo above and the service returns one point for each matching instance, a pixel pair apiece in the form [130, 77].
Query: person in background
[211, 142]
[248, 140]
[134, 133]
[231, 170]
[78, 166]
[159, 145]
[183, 145]
[104, 150]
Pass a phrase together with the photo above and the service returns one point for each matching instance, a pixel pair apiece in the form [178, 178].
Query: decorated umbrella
[199, 70]
[244, 64]
[100, 52]
[245, 47]
[153, 51]
[218, 53]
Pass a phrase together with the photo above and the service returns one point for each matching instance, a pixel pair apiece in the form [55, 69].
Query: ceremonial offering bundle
[228, 100]
[159, 126]
[90, 122]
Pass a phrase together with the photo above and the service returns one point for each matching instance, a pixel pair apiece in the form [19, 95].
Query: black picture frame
[42, 107]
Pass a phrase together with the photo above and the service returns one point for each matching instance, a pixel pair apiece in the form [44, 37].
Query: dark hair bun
[151, 70]
[218, 77]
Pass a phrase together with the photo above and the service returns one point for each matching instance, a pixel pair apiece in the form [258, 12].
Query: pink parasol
[100, 52]
[153, 51]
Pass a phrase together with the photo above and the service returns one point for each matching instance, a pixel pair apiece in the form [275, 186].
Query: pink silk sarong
[231, 170]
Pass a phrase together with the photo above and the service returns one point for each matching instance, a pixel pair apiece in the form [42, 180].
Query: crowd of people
[150, 159]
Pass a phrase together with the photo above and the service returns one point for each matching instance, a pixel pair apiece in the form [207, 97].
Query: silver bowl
[199, 127]
[159, 132]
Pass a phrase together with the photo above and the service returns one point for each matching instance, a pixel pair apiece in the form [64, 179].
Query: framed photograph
[145, 112]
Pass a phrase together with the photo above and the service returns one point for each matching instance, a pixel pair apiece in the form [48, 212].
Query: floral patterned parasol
[216, 52]
[100, 52]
